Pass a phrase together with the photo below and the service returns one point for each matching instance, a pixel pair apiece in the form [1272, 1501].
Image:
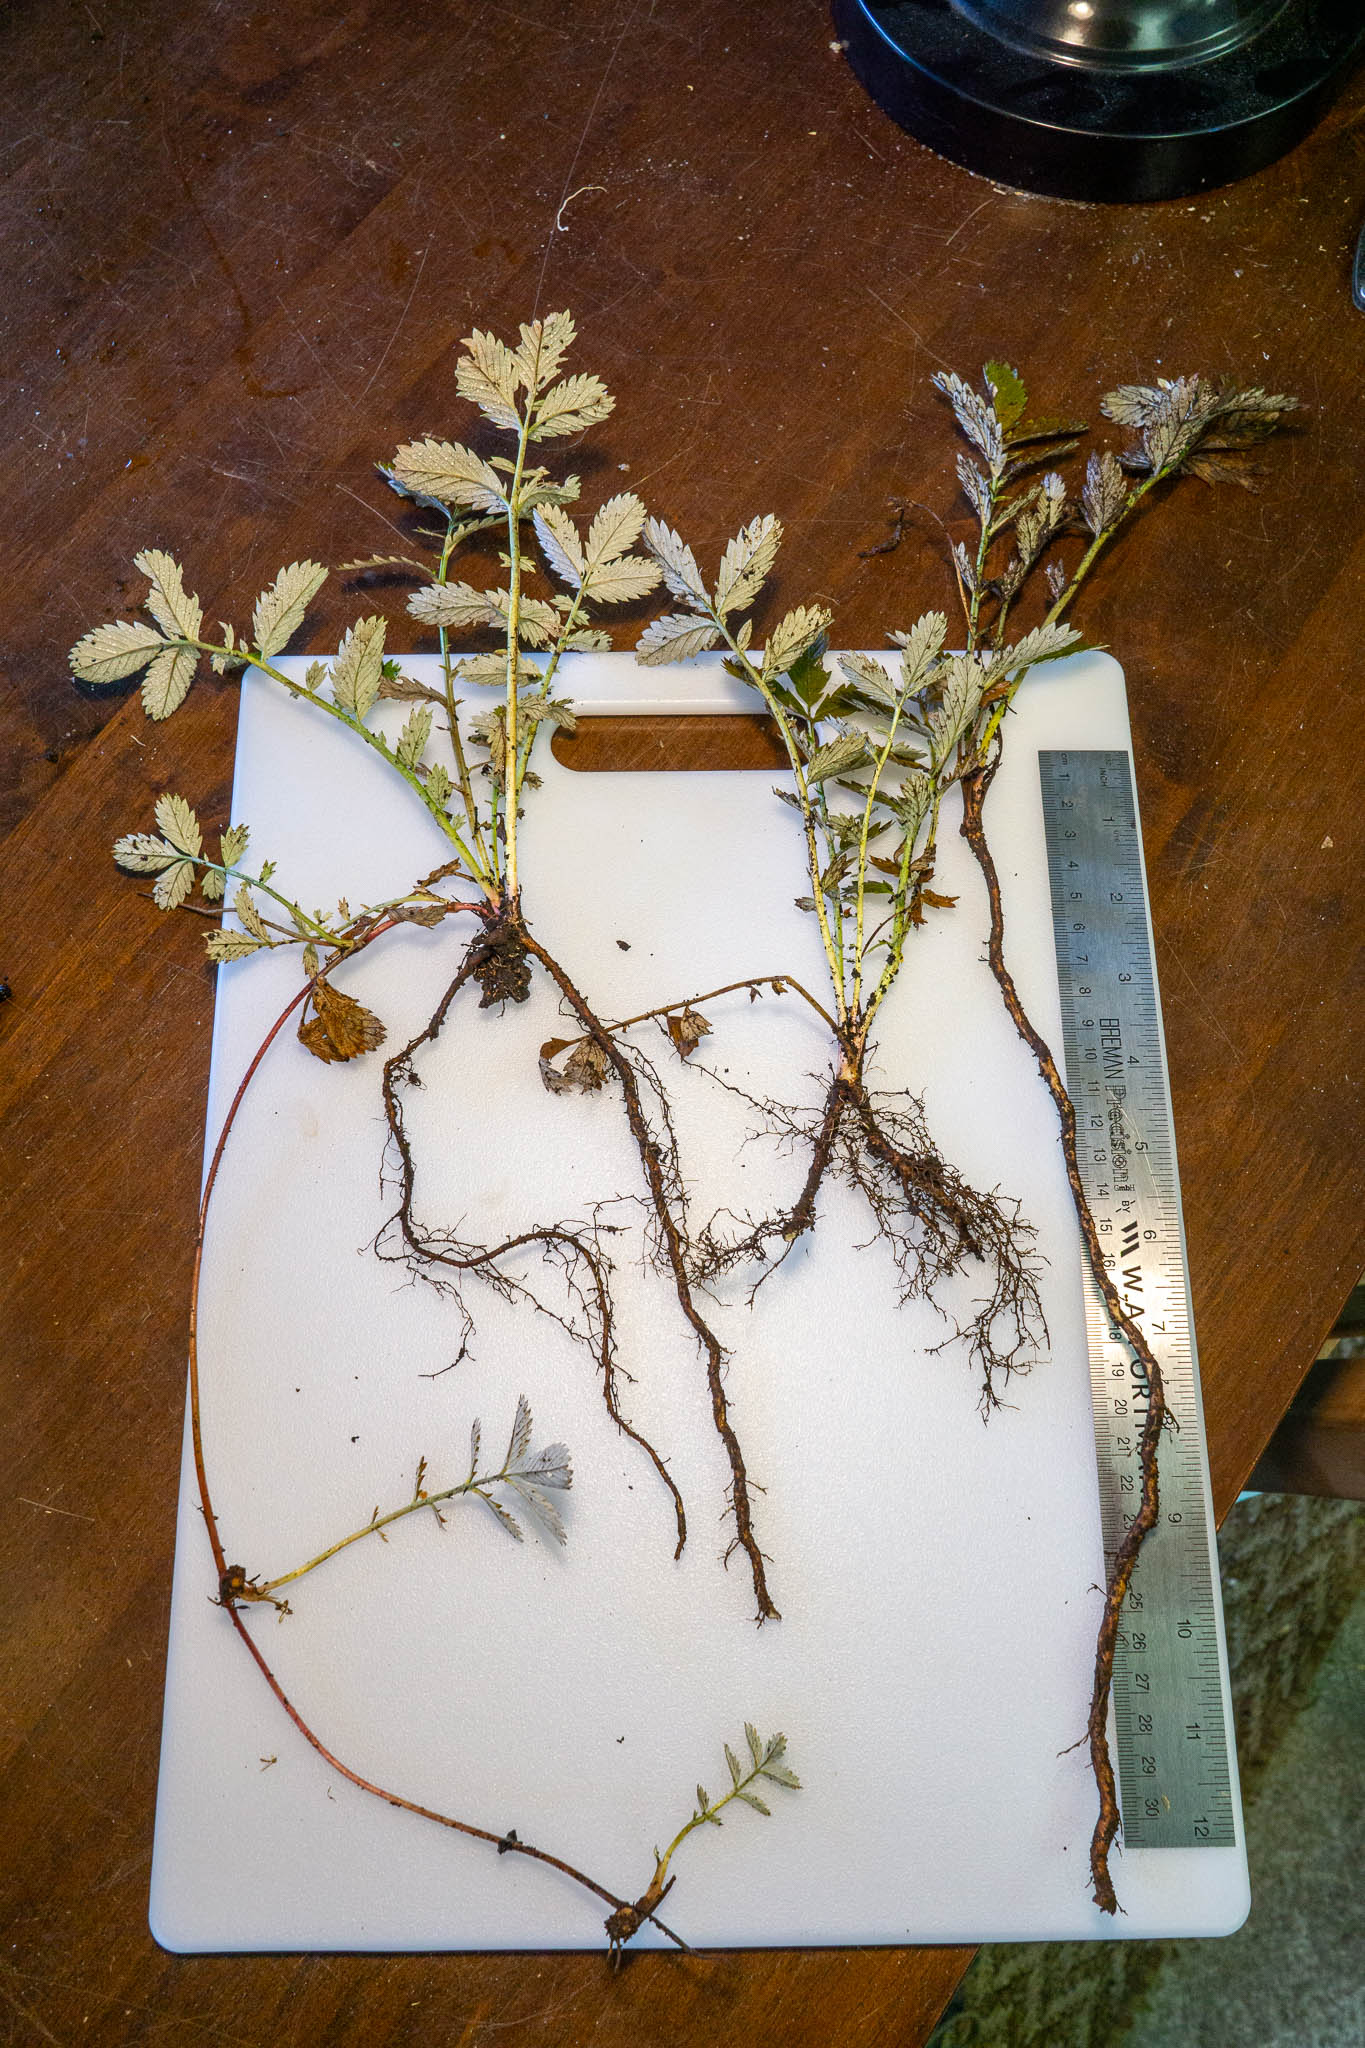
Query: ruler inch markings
[1172, 1757]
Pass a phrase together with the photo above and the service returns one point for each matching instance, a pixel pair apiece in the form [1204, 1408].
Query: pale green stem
[698, 1820]
[305, 925]
[452, 710]
[514, 645]
[372, 739]
[879, 769]
[833, 954]
[571, 618]
[412, 1507]
[901, 927]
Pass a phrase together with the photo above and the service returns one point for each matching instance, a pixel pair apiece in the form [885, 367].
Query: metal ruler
[1171, 1752]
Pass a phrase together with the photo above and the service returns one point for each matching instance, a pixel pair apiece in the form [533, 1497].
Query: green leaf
[176, 610]
[109, 653]
[837, 756]
[752, 1737]
[733, 1761]
[1007, 394]
[212, 885]
[232, 845]
[793, 636]
[358, 667]
[439, 786]
[752, 1799]
[167, 681]
[781, 1775]
[280, 610]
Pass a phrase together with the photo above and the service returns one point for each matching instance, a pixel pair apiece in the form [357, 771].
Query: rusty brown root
[499, 964]
[626, 1917]
[664, 1186]
[932, 1218]
[974, 791]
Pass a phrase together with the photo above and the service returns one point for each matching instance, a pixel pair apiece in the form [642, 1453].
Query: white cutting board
[939, 1577]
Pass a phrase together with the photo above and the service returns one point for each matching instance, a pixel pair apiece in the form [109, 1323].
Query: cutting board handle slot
[651, 742]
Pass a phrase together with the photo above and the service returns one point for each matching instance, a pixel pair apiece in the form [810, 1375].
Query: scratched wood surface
[239, 246]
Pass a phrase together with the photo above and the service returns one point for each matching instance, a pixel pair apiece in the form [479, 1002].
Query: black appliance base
[1085, 132]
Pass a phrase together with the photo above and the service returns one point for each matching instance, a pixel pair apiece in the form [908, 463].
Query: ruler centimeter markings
[1172, 1748]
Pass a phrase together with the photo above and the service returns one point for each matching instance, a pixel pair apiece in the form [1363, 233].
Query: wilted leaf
[109, 653]
[280, 610]
[341, 1028]
[586, 1067]
[417, 913]
[245, 906]
[1106, 491]
[687, 1028]
[383, 562]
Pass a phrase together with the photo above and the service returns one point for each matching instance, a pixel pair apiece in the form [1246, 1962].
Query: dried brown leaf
[341, 1028]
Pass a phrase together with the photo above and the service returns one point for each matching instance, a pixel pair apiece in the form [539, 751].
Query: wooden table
[239, 248]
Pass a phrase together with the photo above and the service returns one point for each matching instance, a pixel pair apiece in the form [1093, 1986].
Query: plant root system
[974, 790]
[932, 1218]
[498, 962]
[658, 1160]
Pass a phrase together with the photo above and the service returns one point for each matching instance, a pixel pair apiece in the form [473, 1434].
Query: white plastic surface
[938, 1576]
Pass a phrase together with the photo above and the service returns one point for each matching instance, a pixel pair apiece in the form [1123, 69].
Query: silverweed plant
[471, 773]
[874, 751]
